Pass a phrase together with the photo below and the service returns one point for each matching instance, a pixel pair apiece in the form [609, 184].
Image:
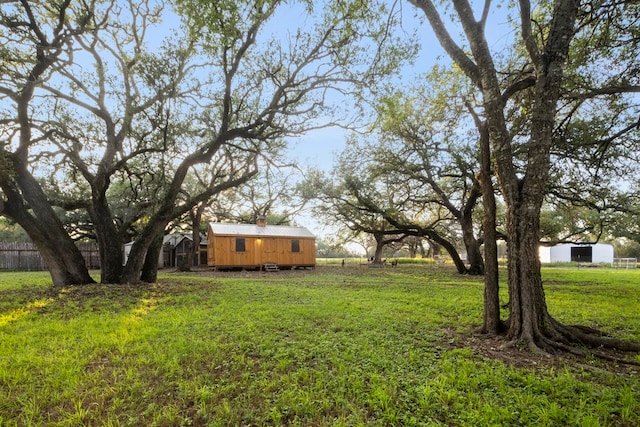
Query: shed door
[581, 253]
[269, 251]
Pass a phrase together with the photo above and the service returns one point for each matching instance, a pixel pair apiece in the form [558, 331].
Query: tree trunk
[474, 256]
[491, 323]
[377, 256]
[413, 250]
[64, 260]
[110, 243]
[451, 250]
[529, 320]
[150, 267]
[26, 202]
[196, 219]
[132, 272]
[143, 251]
[435, 249]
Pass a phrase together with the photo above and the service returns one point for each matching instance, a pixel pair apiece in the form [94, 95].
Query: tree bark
[529, 319]
[453, 253]
[140, 258]
[474, 255]
[434, 249]
[491, 323]
[149, 272]
[110, 243]
[528, 311]
[64, 260]
[377, 255]
[196, 220]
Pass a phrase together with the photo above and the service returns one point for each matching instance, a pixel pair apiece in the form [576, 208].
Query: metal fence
[625, 263]
[24, 256]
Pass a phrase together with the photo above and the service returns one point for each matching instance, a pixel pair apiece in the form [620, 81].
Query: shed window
[295, 245]
[240, 244]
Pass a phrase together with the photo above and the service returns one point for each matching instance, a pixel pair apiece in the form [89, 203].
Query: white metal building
[576, 252]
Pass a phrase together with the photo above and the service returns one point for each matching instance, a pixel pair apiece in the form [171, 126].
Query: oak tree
[523, 165]
[36, 41]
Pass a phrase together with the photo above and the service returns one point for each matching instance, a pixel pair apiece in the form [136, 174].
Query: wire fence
[24, 256]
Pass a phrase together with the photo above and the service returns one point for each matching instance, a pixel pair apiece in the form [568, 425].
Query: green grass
[330, 347]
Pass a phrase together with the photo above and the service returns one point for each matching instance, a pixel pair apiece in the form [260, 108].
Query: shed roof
[174, 239]
[226, 229]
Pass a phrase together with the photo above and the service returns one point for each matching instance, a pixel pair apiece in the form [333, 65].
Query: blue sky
[319, 148]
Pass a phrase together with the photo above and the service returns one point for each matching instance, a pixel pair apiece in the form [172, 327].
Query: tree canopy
[127, 124]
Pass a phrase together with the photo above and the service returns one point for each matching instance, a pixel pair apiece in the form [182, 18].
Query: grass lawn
[325, 347]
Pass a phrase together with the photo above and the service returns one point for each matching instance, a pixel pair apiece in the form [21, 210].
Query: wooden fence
[24, 256]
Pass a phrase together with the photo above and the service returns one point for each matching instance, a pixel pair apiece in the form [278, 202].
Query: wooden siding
[221, 251]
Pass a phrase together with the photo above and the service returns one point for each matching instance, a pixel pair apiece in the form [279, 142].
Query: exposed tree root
[530, 345]
[581, 341]
[578, 340]
[589, 330]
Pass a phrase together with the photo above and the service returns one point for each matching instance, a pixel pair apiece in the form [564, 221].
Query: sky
[320, 148]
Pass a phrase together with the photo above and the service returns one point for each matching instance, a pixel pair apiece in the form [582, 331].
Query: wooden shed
[254, 246]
